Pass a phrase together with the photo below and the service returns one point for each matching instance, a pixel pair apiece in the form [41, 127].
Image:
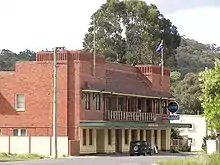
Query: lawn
[197, 160]
[14, 157]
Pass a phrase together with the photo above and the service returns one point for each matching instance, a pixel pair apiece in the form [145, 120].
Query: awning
[132, 124]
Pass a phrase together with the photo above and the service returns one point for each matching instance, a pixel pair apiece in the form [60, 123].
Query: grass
[16, 157]
[197, 160]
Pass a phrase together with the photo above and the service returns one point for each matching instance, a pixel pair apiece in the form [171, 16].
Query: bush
[198, 160]
[9, 156]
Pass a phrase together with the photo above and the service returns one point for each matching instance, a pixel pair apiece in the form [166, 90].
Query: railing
[128, 116]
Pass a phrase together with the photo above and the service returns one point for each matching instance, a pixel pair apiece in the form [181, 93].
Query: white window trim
[19, 131]
[16, 108]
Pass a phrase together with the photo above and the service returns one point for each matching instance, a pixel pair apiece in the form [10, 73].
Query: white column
[144, 135]
[168, 132]
[159, 139]
[138, 134]
[152, 138]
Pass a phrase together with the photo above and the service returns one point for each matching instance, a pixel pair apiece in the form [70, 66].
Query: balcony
[128, 116]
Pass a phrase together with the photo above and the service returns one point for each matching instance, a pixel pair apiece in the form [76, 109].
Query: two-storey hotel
[101, 106]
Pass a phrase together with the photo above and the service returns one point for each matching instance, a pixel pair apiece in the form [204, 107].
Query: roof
[126, 83]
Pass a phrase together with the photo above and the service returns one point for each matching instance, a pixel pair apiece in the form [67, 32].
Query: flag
[159, 47]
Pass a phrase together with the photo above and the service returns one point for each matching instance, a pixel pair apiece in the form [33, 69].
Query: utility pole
[55, 114]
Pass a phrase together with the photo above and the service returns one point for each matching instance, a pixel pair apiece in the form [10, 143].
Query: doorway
[118, 141]
[100, 141]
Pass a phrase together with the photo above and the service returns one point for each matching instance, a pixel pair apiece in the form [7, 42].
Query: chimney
[154, 75]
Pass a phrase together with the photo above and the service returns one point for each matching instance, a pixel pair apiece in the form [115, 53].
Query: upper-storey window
[20, 102]
[97, 100]
[87, 101]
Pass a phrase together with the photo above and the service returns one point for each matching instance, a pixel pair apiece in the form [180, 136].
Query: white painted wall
[197, 132]
[34, 144]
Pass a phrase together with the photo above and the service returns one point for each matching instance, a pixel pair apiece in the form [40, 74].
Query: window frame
[97, 101]
[87, 101]
[17, 103]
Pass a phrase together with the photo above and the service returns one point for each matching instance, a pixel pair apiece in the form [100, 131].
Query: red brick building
[98, 112]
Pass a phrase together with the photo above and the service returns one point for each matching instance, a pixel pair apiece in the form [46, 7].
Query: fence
[42, 145]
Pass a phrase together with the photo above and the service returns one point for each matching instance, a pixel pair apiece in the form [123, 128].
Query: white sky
[41, 24]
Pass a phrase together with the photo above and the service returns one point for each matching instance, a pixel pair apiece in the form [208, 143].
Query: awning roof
[132, 124]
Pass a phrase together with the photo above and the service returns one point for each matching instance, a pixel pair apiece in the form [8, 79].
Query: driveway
[103, 160]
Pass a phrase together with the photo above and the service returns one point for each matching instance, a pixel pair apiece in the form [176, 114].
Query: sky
[41, 24]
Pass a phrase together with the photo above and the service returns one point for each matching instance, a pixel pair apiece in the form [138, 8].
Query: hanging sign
[173, 106]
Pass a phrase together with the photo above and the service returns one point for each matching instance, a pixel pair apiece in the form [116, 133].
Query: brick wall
[35, 81]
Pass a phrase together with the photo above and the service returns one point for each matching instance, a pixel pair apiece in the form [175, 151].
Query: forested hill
[8, 58]
[191, 58]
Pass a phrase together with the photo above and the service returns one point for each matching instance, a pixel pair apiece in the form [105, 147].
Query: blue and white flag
[159, 47]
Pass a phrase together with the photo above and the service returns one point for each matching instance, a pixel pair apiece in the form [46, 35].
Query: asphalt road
[103, 160]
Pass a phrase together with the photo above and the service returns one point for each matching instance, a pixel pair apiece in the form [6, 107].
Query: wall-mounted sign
[173, 117]
[173, 106]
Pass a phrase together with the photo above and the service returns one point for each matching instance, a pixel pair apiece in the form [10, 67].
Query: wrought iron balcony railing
[128, 116]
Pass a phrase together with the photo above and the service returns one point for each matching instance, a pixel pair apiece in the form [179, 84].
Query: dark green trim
[131, 124]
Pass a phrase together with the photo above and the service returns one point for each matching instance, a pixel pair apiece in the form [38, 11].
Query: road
[103, 160]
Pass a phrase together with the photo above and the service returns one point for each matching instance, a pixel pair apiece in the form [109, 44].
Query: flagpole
[94, 51]
[162, 70]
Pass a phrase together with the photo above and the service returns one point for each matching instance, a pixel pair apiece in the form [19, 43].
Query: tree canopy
[210, 97]
[128, 32]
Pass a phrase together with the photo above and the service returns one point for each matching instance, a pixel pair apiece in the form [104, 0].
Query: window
[109, 137]
[126, 137]
[20, 102]
[84, 137]
[90, 137]
[87, 101]
[97, 99]
[148, 106]
[19, 132]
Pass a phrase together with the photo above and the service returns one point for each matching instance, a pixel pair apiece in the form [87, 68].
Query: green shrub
[198, 160]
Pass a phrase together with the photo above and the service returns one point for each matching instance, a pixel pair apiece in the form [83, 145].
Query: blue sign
[173, 106]
[173, 117]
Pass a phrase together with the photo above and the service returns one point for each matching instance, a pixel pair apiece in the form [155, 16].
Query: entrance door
[163, 140]
[118, 140]
[134, 135]
[100, 141]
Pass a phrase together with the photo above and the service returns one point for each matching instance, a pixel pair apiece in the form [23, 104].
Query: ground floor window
[90, 137]
[84, 137]
[109, 137]
[126, 137]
